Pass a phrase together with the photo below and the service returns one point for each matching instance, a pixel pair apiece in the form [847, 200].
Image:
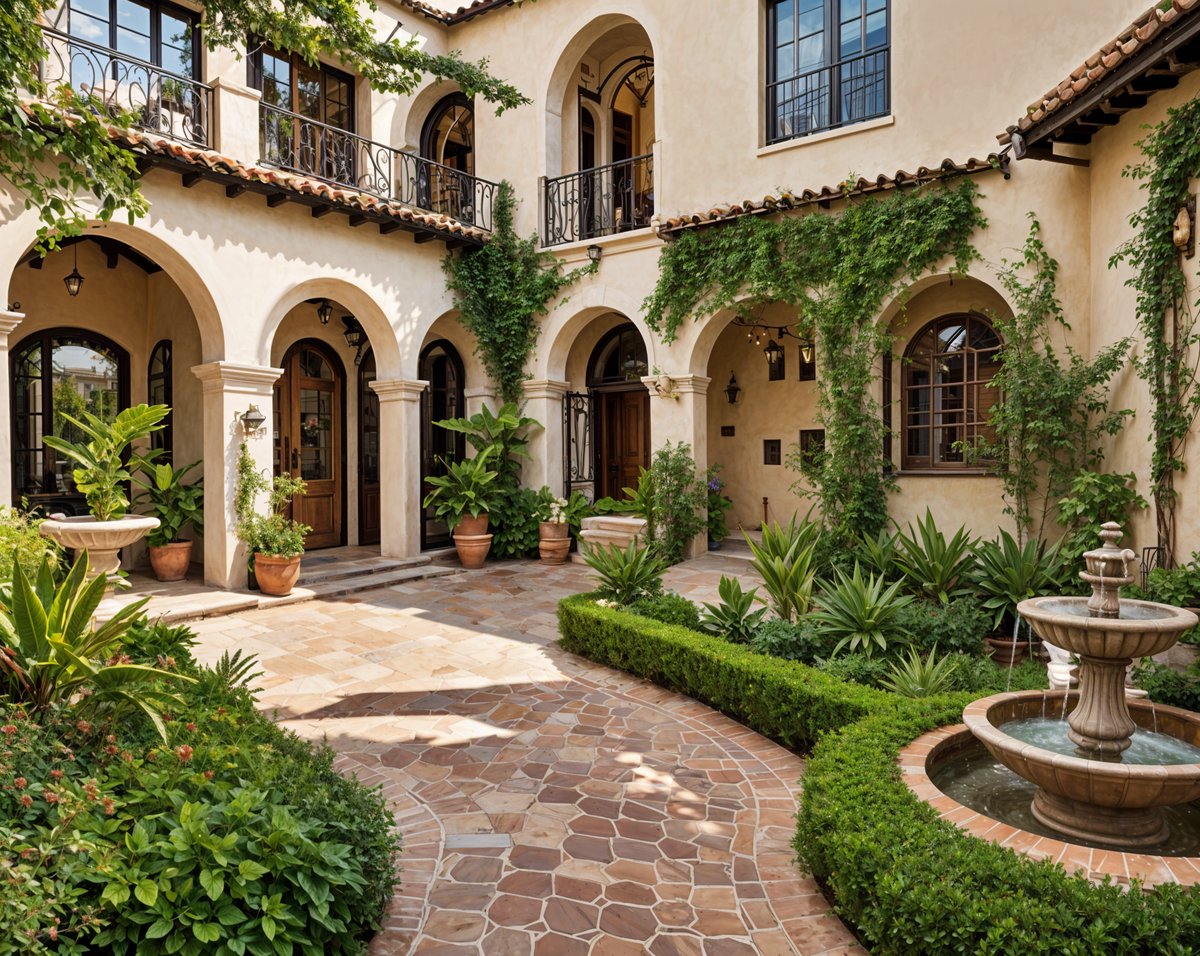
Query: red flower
[184, 753]
[26, 800]
[51, 796]
[83, 726]
[20, 783]
[9, 729]
[191, 727]
[108, 806]
[56, 774]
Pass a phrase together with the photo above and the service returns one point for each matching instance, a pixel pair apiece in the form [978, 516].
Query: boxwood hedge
[906, 880]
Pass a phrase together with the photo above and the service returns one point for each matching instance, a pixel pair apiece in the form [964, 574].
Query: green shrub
[958, 626]
[625, 575]
[1165, 685]
[860, 613]
[668, 608]
[791, 641]
[878, 553]
[858, 667]
[164, 644]
[514, 524]
[19, 537]
[1008, 573]
[916, 676]
[982, 675]
[679, 501]
[934, 568]
[732, 617]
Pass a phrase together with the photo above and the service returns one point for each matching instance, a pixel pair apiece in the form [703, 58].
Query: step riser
[335, 572]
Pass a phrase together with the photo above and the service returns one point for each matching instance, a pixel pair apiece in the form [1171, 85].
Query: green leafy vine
[1166, 320]
[501, 290]
[838, 271]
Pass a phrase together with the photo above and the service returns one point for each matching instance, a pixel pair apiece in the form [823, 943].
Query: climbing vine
[837, 271]
[500, 291]
[1166, 319]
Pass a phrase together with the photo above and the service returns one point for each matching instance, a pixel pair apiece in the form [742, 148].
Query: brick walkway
[548, 806]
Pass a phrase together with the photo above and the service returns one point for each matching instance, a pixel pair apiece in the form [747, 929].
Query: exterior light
[733, 389]
[252, 419]
[773, 352]
[806, 352]
[354, 336]
[74, 282]
[324, 311]
[594, 253]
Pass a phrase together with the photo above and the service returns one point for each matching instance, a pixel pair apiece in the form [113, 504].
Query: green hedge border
[908, 881]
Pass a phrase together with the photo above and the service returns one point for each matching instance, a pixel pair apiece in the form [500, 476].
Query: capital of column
[8, 321]
[399, 389]
[223, 84]
[692, 384]
[545, 388]
[237, 378]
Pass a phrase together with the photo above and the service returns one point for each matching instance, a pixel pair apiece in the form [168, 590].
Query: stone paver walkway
[548, 806]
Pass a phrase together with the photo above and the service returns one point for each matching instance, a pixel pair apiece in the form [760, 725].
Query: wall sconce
[733, 389]
[74, 282]
[594, 253]
[773, 352]
[806, 352]
[324, 311]
[252, 419]
[354, 336]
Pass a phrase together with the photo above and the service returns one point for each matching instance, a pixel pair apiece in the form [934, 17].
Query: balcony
[120, 86]
[829, 97]
[311, 148]
[598, 202]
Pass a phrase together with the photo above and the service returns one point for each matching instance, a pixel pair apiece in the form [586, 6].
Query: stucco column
[228, 390]
[8, 322]
[399, 466]
[679, 412]
[236, 122]
[476, 398]
[543, 401]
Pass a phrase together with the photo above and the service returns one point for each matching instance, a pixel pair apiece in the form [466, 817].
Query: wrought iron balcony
[598, 202]
[341, 158]
[121, 86]
[829, 97]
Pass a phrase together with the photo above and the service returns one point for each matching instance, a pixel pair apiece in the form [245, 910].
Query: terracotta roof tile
[825, 194]
[1111, 55]
[462, 14]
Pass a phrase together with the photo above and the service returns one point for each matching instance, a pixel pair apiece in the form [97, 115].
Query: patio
[548, 805]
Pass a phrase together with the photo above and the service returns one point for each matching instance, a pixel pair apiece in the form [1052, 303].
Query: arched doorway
[369, 509]
[310, 438]
[54, 372]
[442, 367]
[448, 139]
[622, 409]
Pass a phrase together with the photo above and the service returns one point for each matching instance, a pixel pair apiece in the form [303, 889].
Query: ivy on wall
[1165, 317]
[501, 290]
[838, 271]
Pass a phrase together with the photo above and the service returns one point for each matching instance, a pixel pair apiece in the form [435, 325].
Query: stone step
[340, 587]
[618, 523]
[320, 571]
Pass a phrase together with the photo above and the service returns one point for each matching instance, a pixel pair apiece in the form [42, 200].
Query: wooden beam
[277, 199]
[388, 227]
[233, 190]
[423, 237]
[190, 179]
[36, 262]
[357, 219]
[319, 211]
[452, 244]
[1047, 154]
[111, 256]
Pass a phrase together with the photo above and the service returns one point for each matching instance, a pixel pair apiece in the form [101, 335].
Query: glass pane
[783, 20]
[812, 20]
[785, 61]
[175, 47]
[337, 103]
[82, 379]
[876, 30]
[316, 434]
[983, 336]
[308, 91]
[951, 337]
[276, 81]
[851, 38]
[313, 365]
[808, 52]
[92, 29]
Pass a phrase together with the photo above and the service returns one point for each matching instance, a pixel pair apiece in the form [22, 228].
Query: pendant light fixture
[74, 282]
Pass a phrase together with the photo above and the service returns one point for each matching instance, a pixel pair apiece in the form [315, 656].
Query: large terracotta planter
[276, 576]
[472, 527]
[472, 549]
[1005, 653]
[554, 542]
[170, 561]
[102, 540]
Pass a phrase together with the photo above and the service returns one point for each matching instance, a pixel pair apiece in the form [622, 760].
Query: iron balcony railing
[829, 97]
[598, 202]
[341, 158]
[172, 105]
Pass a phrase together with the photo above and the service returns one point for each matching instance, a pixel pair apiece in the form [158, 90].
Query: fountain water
[1095, 793]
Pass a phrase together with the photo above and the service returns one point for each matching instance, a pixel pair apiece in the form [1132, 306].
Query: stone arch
[561, 328]
[447, 326]
[951, 288]
[409, 126]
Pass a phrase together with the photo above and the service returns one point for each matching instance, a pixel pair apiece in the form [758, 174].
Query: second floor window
[154, 32]
[315, 92]
[827, 65]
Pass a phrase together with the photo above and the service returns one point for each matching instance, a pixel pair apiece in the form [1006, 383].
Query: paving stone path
[548, 806]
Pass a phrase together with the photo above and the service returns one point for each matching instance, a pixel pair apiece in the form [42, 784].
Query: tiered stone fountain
[1091, 785]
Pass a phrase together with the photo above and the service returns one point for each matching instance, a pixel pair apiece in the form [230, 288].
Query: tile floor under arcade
[548, 806]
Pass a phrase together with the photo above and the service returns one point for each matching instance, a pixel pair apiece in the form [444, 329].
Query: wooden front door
[309, 440]
[624, 445]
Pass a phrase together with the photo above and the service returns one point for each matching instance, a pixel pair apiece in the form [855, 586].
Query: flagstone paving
[549, 807]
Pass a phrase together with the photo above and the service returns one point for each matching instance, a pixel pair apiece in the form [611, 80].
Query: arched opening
[448, 141]
[369, 504]
[441, 366]
[160, 389]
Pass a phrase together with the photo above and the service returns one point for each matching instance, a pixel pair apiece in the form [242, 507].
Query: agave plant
[860, 613]
[784, 560]
[878, 554]
[1009, 573]
[935, 568]
[51, 653]
[917, 676]
[625, 575]
[733, 618]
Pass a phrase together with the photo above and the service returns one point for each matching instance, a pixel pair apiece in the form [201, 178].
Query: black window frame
[163, 440]
[156, 8]
[254, 77]
[831, 71]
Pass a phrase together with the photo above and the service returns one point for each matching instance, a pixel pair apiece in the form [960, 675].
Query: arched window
[618, 357]
[57, 372]
[448, 140]
[159, 388]
[440, 366]
[948, 392]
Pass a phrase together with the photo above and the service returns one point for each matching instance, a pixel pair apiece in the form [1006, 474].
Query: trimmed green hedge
[908, 881]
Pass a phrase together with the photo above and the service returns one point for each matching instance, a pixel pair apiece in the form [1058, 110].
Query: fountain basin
[1143, 629]
[1096, 800]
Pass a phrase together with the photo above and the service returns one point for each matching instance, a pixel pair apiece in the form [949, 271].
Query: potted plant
[554, 529]
[462, 496]
[1007, 574]
[102, 474]
[176, 506]
[718, 504]
[275, 541]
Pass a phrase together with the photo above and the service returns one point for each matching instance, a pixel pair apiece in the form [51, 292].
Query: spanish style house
[292, 255]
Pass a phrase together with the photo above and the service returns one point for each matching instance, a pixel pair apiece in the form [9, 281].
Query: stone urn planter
[472, 549]
[276, 576]
[1005, 652]
[170, 562]
[554, 541]
[102, 540]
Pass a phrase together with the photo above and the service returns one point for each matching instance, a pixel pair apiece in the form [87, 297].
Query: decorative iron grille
[596, 202]
[579, 459]
[829, 97]
[129, 90]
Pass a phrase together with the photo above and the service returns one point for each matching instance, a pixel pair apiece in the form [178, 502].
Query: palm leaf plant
[1008, 573]
[861, 612]
[733, 618]
[467, 488]
[175, 504]
[935, 568]
[624, 576]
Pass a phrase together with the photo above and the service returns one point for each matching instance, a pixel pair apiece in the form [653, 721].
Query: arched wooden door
[622, 408]
[310, 438]
[440, 366]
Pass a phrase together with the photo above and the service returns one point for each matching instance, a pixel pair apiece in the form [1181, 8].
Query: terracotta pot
[472, 549]
[472, 527]
[276, 576]
[170, 561]
[554, 542]
[1005, 652]
[102, 540]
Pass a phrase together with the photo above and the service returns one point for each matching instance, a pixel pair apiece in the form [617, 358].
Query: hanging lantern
[732, 390]
[324, 311]
[74, 282]
[774, 353]
[806, 352]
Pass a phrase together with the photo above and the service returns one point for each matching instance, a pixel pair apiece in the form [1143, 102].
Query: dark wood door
[309, 439]
[624, 440]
